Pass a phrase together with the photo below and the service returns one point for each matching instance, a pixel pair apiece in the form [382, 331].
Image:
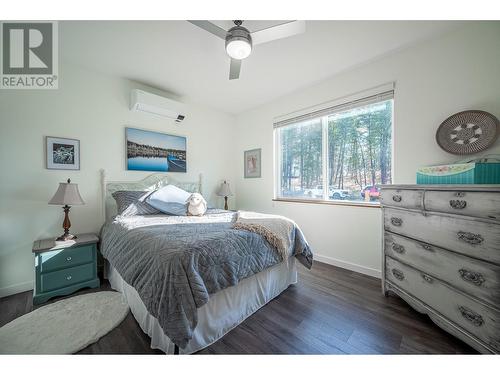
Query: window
[340, 153]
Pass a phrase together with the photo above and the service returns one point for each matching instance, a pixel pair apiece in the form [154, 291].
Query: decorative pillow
[130, 203]
[170, 208]
[170, 200]
[169, 193]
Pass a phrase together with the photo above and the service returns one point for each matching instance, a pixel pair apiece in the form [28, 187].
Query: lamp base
[66, 237]
[66, 225]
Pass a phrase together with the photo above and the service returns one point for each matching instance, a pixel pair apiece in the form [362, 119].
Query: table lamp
[225, 192]
[67, 195]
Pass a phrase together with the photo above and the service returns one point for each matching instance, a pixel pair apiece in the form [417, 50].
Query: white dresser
[442, 255]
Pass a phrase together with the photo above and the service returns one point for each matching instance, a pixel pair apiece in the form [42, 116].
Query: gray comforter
[176, 262]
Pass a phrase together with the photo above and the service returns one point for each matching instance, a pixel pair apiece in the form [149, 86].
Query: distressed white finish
[448, 301]
[444, 264]
[402, 198]
[448, 265]
[479, 204]
[444, 230]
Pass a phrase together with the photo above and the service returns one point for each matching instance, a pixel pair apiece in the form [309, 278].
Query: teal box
[466, 173]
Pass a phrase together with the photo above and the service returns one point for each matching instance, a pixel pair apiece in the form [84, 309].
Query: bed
[190, 280]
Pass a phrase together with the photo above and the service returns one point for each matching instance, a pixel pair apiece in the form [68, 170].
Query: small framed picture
[252, 163]
[62, 153]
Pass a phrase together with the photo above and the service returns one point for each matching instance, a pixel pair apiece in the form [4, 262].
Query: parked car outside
[373, 191]
[333, 193]
[338, 193]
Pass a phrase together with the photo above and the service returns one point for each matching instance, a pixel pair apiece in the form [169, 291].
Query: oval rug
[64, 327]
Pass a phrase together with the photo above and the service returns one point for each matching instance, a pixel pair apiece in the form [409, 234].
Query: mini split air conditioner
[142, 101]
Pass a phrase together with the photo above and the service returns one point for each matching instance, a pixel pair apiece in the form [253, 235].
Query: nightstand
[63, 269]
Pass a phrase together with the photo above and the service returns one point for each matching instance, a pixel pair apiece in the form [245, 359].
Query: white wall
[94, 109]
[434, 79]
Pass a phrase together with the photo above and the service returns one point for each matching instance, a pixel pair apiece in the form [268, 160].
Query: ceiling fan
[239, 41]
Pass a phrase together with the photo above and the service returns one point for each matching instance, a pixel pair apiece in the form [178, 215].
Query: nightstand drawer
[64, 258]
[66, 277]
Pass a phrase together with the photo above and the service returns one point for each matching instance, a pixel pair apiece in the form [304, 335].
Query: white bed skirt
[224, 310]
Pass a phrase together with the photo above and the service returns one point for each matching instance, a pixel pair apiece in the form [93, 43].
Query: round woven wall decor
[468, 132]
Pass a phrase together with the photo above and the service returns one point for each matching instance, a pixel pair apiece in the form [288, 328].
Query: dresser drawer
[475, 277]
[474, 317]
[474, 203]
[470, 237]
[402, 198]
[57, 259]
[66, 277]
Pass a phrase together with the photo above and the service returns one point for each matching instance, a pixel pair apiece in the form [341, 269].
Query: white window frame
[384, 92]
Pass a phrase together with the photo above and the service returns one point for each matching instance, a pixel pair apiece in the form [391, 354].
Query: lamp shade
[67, 194]
[224, 190]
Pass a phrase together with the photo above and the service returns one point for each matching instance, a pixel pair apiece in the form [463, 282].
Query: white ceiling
[187, 61]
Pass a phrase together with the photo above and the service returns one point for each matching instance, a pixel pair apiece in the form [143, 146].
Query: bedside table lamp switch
[67, 195]
[224, 191]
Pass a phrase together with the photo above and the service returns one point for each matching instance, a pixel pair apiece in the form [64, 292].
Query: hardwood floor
[329, 311]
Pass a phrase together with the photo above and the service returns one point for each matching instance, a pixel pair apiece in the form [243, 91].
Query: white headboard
[152, 182]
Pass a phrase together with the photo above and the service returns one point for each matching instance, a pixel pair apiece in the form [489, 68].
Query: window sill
[332, 203]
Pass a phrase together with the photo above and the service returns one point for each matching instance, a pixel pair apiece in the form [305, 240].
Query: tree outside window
[358, 143]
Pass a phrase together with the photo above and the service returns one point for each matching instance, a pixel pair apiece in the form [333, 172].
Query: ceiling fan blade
[211, 28]
[234, 69]
[278, 32]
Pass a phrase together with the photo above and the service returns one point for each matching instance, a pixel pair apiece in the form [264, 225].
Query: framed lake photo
[154, 151]
[252, 163]
[62, 153]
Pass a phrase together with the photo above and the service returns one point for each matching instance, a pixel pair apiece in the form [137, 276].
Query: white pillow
[170, 194]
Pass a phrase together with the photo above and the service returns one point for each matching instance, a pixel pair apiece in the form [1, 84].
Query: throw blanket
[277, 230]
[176, 262]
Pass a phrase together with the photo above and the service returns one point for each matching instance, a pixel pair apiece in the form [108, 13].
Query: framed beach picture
[252, 163]
[154, 151]
[62, 153]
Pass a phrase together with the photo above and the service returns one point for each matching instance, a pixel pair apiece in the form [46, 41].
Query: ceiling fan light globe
[238, 49]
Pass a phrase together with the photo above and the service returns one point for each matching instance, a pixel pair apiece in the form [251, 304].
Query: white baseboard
[348, 265]
[16, 288]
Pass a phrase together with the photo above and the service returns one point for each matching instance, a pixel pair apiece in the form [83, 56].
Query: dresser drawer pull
[397, 198]
[469, 237]
[426, 246]
[398, 274]
[458, 204]
[471, 316]
[398, 248]
[396, 221]
[427, 278]
[68, 259]
[68, 277]
[471, 277]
